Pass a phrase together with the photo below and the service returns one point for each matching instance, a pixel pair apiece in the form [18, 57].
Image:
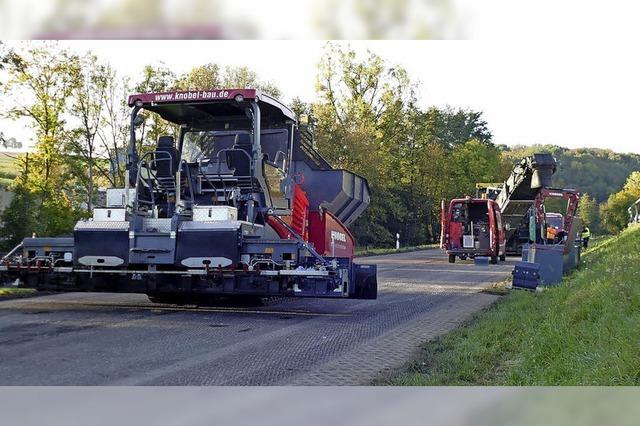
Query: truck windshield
[555, 221]
[204, 145]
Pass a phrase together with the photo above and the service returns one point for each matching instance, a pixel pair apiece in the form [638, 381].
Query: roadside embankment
[14, 293]
[583, 332]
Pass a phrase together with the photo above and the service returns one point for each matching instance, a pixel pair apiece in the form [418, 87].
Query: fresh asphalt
[123, 339]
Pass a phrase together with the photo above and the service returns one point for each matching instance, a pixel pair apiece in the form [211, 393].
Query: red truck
[472, 227]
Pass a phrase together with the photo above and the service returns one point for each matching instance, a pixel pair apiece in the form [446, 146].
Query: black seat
[240, 158]
[166, 157]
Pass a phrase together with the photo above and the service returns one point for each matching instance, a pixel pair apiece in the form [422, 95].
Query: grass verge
[382, 251]
[583, 332]
[14, 293]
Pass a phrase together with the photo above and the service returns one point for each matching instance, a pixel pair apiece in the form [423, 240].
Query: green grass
[13, 293]
[8, 164]
[365, 251]
[8, 169]
[583, 332]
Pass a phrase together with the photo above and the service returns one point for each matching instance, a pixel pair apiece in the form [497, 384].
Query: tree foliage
[614, 212]
[46, 77]
[588, 212]
[366, 119]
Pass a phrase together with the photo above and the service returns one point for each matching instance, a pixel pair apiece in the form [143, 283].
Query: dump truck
[236, 202]
[472, 227]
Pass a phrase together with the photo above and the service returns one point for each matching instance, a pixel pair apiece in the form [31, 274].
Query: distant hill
[600, 172]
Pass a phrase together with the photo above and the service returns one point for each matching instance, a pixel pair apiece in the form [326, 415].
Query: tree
[89, 96]
[157, 78]
[45, 77]
[17, 220]
[201, 77]
[588, 211]
[367, 120]
[474, 162]
[633, 183]
[243, 77]
[360, 122]
[614, 213]
[302, 110]
[210, 76]
[114, 133]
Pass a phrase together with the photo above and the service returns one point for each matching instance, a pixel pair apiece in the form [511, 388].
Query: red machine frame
[571, 195]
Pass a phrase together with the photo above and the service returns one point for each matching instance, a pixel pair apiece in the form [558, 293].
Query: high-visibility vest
[551, 233]
[586, 233]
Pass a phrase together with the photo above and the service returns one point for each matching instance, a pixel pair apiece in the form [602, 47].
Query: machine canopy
[229, 107]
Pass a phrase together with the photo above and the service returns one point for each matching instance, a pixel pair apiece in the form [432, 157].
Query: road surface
[123, 339]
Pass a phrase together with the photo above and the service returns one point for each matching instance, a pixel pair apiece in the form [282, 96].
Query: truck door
[493, 229]
[500, 234]
[275, 148]
[444, 225]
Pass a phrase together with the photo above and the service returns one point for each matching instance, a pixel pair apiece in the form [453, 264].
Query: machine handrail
[250, 177]
[154, 160]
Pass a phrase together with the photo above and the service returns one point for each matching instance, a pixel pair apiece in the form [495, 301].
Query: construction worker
[551, 234]
[586, 234]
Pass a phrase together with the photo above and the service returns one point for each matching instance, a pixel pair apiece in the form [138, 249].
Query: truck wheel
[494, 260]
[503, 258]
[452, 258]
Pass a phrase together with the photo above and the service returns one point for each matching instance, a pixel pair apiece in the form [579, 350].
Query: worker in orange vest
[552, 231]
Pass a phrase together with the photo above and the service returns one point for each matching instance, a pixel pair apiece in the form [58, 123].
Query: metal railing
[149, 162]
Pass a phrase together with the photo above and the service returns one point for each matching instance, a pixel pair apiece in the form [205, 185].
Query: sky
[573, 93]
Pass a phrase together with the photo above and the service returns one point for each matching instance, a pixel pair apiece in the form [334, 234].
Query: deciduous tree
[41, 81]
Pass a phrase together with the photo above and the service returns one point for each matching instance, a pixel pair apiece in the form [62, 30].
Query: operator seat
[237, 159]
[166, 156]
[166, 162]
